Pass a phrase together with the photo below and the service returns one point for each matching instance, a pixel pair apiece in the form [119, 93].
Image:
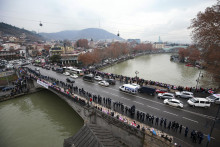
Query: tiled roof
[92, 136]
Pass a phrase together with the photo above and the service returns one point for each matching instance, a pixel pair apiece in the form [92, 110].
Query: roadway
[199, 119]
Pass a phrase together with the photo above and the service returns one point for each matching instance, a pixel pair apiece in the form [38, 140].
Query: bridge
[102, 126]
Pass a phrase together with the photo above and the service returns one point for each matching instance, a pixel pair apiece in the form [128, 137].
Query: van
[129, 88]
[199, 102]
[89, 77]
[214, 98]
[148, 90]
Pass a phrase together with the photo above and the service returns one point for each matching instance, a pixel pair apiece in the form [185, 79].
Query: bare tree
[206, 34]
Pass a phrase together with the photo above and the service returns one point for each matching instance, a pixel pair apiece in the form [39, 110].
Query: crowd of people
[70, 90]
[143, 82]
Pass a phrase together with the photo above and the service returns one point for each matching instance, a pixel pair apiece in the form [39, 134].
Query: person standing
[186, 131]
[180, 128]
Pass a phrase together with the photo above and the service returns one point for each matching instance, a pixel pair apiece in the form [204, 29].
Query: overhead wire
[107, 27]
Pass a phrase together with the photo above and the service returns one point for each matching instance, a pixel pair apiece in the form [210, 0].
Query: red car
[161, 91]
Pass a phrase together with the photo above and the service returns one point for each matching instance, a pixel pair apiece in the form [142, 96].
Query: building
[69, 58]
[57, 50]
[138, 41]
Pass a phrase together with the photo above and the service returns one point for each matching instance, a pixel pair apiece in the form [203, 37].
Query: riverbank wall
[32, 89]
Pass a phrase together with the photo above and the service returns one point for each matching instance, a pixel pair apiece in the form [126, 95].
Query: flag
[208, 137]
[154, 132]
[210, 91]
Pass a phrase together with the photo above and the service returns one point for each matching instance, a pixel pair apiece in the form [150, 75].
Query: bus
[72, 70]
[77, 71]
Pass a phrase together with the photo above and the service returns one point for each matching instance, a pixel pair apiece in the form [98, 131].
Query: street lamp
[136, 72]
[197, 81]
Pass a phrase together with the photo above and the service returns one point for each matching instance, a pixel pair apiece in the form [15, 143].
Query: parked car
[103, 83]
[66, 73]
[70, 80]
[98, 78]
[184, 94]
[173, 102]
[74, 76]
[148, 90]
[8, 88]
[199, 102]
[161, 90]
[166, 95]
[111, 81]
[47, 67]
[134, 84]
[214, 98]
[88, 77]
[37, 69]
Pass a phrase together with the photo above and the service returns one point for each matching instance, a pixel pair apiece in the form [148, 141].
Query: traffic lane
[90, 86]
[80, 82]
[58, 76]
[165, 114]
[171, 113]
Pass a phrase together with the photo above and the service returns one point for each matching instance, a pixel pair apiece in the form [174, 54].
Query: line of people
[142, 82]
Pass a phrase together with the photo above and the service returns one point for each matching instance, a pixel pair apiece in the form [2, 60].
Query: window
[196, 102]
[202, 102]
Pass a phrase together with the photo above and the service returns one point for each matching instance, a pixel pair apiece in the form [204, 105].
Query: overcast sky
[143, 19]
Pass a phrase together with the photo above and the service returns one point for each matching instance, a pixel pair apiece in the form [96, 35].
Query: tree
[183, 53]
[206, 35]
[82, 43]
[55, 58]
[194, 54]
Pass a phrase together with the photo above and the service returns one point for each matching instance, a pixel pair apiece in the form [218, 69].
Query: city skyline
[143, 19]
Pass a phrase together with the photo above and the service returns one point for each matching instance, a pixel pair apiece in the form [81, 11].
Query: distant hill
[7, 29]
[94, 33]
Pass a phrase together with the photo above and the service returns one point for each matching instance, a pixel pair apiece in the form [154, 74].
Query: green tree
[55, 58]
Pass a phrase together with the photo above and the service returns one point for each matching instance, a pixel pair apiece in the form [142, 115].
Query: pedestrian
[165, 123]
[201, 136]
[180, 128]
[156, 122]
[186, 131]
[169, 125]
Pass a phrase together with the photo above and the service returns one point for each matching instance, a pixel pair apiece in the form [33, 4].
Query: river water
[158, 67]
[41, 119]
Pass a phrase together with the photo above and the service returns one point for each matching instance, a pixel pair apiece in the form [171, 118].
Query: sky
[142, 19]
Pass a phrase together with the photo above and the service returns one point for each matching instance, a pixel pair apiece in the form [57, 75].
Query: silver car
[166, 96]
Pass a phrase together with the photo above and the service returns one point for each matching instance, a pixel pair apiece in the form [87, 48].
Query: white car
[98, 78]
[74, 76]
[173, 102]
[199, 102]
[37, 69]
[214, 98]
[184, 94]
[66, 73]
[134, 84]
[103, 83]
[166, 95]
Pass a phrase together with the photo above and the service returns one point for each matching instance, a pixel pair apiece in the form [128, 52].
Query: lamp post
[136, 72]
[197, 81]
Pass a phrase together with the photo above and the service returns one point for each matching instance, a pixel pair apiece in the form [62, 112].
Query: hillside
[94, 33]
[7, 29]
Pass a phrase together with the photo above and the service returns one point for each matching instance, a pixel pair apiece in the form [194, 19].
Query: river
[40, 119]
[158, 67]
